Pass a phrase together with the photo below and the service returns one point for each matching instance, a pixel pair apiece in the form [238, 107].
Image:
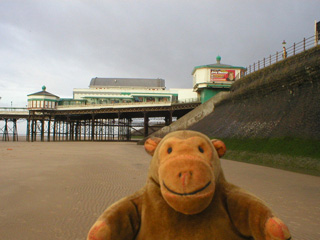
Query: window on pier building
[163, 99]
[174, 98]
[138, 99]
[151, 99]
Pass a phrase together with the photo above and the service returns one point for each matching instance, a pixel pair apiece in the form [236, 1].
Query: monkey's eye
[169, 150]
[201, 149]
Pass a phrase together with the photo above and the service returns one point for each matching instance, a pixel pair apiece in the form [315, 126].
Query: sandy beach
[56, 190]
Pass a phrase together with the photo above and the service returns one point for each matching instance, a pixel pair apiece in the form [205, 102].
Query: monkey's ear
[219, 146]
[151, 144]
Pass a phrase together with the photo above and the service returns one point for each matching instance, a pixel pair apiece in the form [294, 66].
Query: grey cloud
[63, 44]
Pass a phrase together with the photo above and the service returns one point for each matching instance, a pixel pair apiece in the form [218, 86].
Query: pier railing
[296, 48]
[17, 110]
[129, 104]
[13, 109]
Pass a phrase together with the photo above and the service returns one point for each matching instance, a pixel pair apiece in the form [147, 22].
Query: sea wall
[282, 100]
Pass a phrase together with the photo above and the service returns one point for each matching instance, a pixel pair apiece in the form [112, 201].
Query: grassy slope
[289, 154]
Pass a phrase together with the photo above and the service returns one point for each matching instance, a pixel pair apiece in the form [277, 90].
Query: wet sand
[56, 190]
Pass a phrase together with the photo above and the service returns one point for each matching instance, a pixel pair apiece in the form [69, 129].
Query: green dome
[44, 88]
[218, 59]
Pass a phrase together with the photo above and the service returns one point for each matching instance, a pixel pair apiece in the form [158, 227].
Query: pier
[116, 122]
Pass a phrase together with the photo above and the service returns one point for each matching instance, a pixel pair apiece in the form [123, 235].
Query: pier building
[42, 99]
[210, 79]
[114, 91]
[125, 90]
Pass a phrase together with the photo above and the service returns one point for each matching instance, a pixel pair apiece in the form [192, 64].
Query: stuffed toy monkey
[187, 197]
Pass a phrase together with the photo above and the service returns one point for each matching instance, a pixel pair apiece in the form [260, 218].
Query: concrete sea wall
[282, 100]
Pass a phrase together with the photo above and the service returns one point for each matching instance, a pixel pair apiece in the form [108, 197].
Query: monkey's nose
[185, 177]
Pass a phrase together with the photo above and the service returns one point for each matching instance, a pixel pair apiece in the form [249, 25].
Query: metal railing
[188, 100]
[112, 105]
[13, 109]
[296, 48]
[130, 104]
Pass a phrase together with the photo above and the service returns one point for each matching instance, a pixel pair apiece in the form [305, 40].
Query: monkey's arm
[253, 218]
[120, 221]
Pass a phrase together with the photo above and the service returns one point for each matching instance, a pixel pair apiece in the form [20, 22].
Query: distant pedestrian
[284, 55]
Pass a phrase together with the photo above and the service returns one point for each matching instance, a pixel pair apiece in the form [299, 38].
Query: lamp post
[284, 55]
[316, 32]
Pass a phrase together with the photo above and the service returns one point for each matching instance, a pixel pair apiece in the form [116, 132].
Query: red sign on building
[222, 75]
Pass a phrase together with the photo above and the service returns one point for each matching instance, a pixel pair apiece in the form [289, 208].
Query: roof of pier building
[154, 83]
[43, 93]
[217, 65]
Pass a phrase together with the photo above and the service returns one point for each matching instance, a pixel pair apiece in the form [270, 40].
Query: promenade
[56, 190]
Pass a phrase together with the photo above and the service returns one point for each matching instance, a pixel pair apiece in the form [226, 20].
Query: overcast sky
[62, 44]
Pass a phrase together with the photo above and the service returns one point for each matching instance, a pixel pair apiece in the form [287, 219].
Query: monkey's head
[186, 165]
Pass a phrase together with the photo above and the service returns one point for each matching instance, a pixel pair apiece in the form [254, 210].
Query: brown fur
[187, 197]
